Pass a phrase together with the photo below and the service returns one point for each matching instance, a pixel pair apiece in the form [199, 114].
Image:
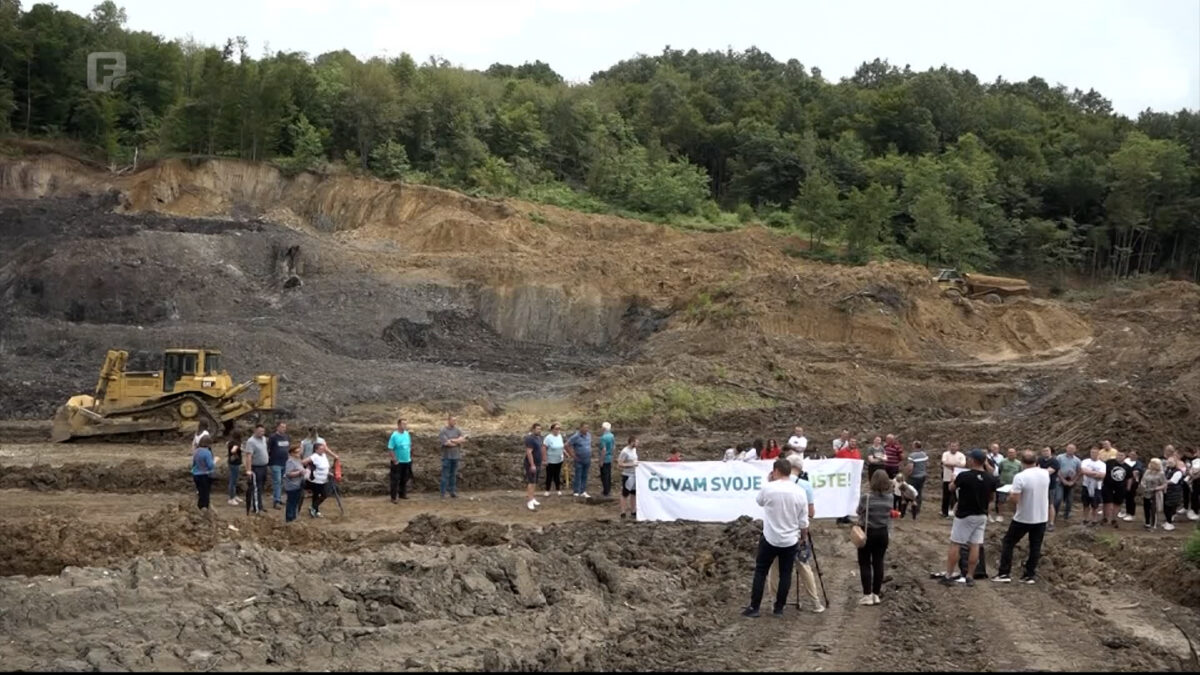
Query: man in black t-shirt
[1049, 463]
[532, 464]
[1117, 477]
[973, 489]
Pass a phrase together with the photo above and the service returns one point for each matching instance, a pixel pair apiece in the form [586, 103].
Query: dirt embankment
[361, 292]
[540, 600]
[598, 595]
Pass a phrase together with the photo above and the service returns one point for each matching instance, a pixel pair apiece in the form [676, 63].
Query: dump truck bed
[1003, 283]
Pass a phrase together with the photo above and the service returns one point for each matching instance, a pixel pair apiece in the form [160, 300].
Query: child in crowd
[903, 494]
[1152, 487]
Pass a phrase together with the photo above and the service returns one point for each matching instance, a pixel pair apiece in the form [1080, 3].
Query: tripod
[817, 564]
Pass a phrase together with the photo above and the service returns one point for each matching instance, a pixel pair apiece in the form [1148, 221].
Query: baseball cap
[977, 455]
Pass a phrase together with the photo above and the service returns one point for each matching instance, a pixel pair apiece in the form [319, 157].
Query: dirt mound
[1087, 558]
[245, 605]
[49, 544]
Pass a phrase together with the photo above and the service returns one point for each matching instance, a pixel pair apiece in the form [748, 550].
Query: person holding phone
[451, 438]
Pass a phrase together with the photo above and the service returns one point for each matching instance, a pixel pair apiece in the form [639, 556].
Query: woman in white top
[627, 462]
[553, 445]
[320, 463]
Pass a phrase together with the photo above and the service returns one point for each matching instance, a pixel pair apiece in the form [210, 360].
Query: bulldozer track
[165, 411]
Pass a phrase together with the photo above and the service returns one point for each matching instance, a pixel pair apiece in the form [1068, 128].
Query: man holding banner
[785, 523]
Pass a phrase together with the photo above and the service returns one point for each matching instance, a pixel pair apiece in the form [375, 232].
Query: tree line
[934, 166]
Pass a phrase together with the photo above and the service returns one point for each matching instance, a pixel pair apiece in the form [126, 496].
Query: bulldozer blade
[72, 423]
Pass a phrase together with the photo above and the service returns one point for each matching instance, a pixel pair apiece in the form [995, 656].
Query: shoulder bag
[858, 536]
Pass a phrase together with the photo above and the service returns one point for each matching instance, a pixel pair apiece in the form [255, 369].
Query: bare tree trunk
[28, 90]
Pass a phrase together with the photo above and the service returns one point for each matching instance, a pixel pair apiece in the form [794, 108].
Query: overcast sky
[1137, 53]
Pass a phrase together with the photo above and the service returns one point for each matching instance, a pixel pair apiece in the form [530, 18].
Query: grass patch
[563, 196]
[717, 305]
[1103, 290]
[1109, 540]
[677, 402]
[1191, 547]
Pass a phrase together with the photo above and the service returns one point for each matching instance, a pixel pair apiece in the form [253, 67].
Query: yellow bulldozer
[191, 387]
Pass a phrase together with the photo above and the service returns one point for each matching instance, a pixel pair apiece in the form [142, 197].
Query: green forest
[935, 166]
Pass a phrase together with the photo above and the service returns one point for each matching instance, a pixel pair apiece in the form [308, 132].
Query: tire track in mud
[803, 640]
[1019, 627]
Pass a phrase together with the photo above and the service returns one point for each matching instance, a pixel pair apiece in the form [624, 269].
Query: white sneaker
[818, 609]
[1168, 527]
[1127, 518]
[991, 519]
[575, 495]
[875, 599]
[559, 493]
[1192, 515]
[1121, 514]
[531, 504]
[233, 502]
[867, 599]
[585, 495]
[999, 519]
[536, 503]
[547, 493]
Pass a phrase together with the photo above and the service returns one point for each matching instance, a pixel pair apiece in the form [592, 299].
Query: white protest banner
[718, 492]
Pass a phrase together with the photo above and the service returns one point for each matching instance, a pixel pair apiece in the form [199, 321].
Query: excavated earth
[372, 299]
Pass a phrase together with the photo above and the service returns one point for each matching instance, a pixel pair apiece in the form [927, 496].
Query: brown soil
[373, 300]
[607, 594]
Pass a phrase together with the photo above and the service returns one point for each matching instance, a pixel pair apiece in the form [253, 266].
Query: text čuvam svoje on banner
[725, 491]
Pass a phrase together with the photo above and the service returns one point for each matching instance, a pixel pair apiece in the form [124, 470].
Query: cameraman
[785, 522]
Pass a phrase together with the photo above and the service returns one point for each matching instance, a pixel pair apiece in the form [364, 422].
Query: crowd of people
[1036, 489]
[293, 469]
[978, 487]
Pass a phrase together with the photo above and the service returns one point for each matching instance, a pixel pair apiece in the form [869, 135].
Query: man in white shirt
[798, 442]
[1031, 491]
[954, 462]
[995, 457]
[841, 441]
[1092, 470]
[785, 523]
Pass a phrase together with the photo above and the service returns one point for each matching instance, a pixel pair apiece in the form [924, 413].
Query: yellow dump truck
[191, 387]
[991, 289]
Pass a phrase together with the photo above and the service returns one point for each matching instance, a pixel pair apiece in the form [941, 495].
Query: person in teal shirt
[607, 441]
[400, 445]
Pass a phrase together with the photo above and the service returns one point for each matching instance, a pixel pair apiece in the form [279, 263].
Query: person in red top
[675, 456]
[849, 450]
[771, 451]
[893, 455]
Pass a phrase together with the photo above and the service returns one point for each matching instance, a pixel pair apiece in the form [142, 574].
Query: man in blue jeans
[580, 448]
[451, 439]
[278, 446]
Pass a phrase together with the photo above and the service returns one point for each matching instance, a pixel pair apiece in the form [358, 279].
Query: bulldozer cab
[183, 369]
[948, 276]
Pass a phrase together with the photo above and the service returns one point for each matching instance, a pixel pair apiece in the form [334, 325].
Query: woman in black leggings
[875, 517]
[553, 445]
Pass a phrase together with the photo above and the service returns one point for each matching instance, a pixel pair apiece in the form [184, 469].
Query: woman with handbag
[870, 535]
